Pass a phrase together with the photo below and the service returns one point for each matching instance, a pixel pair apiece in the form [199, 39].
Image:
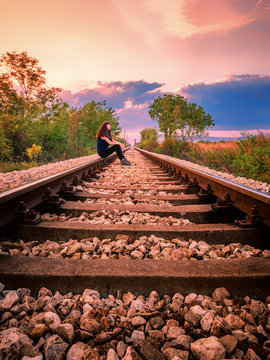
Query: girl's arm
[112, 142]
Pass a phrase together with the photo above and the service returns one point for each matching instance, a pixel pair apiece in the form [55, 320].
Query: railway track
[153, 226]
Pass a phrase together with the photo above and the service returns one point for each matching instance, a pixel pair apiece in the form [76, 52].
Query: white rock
[138, 321]
[10, 300]
[136, 336]
[207, 321]
[190, 297]
[52, 320]
[174, 331]
[111, 355]
[66, 331]
[76, 351]
[208, 349]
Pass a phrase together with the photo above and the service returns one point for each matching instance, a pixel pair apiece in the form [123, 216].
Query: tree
[31, 113]
[5, 148]
[23, 72]
[53, 133]
[14, 136]
[10, 102]
[177, 117]
[149, 139]
[93, 114]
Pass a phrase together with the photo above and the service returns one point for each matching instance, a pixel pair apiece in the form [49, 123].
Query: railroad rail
[241, 197]
[220, 212]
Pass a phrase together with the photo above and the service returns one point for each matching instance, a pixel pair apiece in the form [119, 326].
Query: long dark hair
[103, 131]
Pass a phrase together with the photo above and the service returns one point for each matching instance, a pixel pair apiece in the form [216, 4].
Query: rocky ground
[126, 201]
[128, 192]
[124, 247]
[16, 178]
[54, 326]
[129, 326]
[117, 217]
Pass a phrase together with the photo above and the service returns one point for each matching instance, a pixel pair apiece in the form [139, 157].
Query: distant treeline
[38, 126]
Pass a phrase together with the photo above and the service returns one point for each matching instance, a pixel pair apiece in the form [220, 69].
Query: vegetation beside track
[36, 125]
[248, 157]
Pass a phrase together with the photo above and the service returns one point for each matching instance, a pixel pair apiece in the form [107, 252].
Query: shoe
[124, 161]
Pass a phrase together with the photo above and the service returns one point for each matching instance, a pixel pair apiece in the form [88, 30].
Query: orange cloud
[190, 17]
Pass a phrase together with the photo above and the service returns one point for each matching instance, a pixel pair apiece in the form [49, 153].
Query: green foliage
[248, 157]
[23, 71]
[31, 113]
[14, 134]
[177, 117]
[93, 114]
[13, 166]
[173, 147]
[5, 148]
[149, 139]
[33, 151]
[253, 157]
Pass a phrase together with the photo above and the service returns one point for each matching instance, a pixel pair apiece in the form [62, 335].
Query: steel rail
[243, 197]
[32, 194]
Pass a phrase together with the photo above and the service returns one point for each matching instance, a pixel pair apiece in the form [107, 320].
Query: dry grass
[249, 157]
[216, 146]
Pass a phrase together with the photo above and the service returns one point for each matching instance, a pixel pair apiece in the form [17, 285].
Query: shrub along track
[205, 208]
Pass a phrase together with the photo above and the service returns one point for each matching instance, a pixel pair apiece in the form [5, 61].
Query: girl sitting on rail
[104, 140]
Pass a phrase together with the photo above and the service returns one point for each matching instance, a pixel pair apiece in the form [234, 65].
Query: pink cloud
[236, 133]
[215, 16]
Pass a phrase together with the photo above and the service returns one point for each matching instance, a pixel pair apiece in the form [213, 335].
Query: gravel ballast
[123, 247]
[131, 326]
[17, 178]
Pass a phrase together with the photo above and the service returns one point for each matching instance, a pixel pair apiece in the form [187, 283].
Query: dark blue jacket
[102, 144]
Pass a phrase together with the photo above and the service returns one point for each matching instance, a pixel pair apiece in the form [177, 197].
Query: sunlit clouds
[128, 52]
[191, 17]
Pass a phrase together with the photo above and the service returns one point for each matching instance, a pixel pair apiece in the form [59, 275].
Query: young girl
[104, 140]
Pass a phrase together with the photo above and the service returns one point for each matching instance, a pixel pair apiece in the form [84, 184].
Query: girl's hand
[122, 146]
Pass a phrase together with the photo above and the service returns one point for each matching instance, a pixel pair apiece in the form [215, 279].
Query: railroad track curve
[155, 226]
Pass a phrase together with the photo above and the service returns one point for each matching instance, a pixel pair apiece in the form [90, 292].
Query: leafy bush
[248, 157]
[14, 166]
[149, 139]
[253, 158]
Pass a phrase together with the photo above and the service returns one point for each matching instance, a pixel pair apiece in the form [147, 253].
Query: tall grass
[248, 157]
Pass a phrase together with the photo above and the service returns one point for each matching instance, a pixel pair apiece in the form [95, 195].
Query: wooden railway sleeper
[66, 189]
[50, 199]
[93, 172]
[253, 219]
[224, 203]
[77, 181]
[184, 179]
[86, 177]
[193, 186]
[178, 173]
[206, 196]
[51, 202]
[27, 216]
[225, 211]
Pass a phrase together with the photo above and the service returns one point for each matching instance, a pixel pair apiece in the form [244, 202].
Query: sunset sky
[127, 52]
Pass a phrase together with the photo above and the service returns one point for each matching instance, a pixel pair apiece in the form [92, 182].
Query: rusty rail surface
[242, 197]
